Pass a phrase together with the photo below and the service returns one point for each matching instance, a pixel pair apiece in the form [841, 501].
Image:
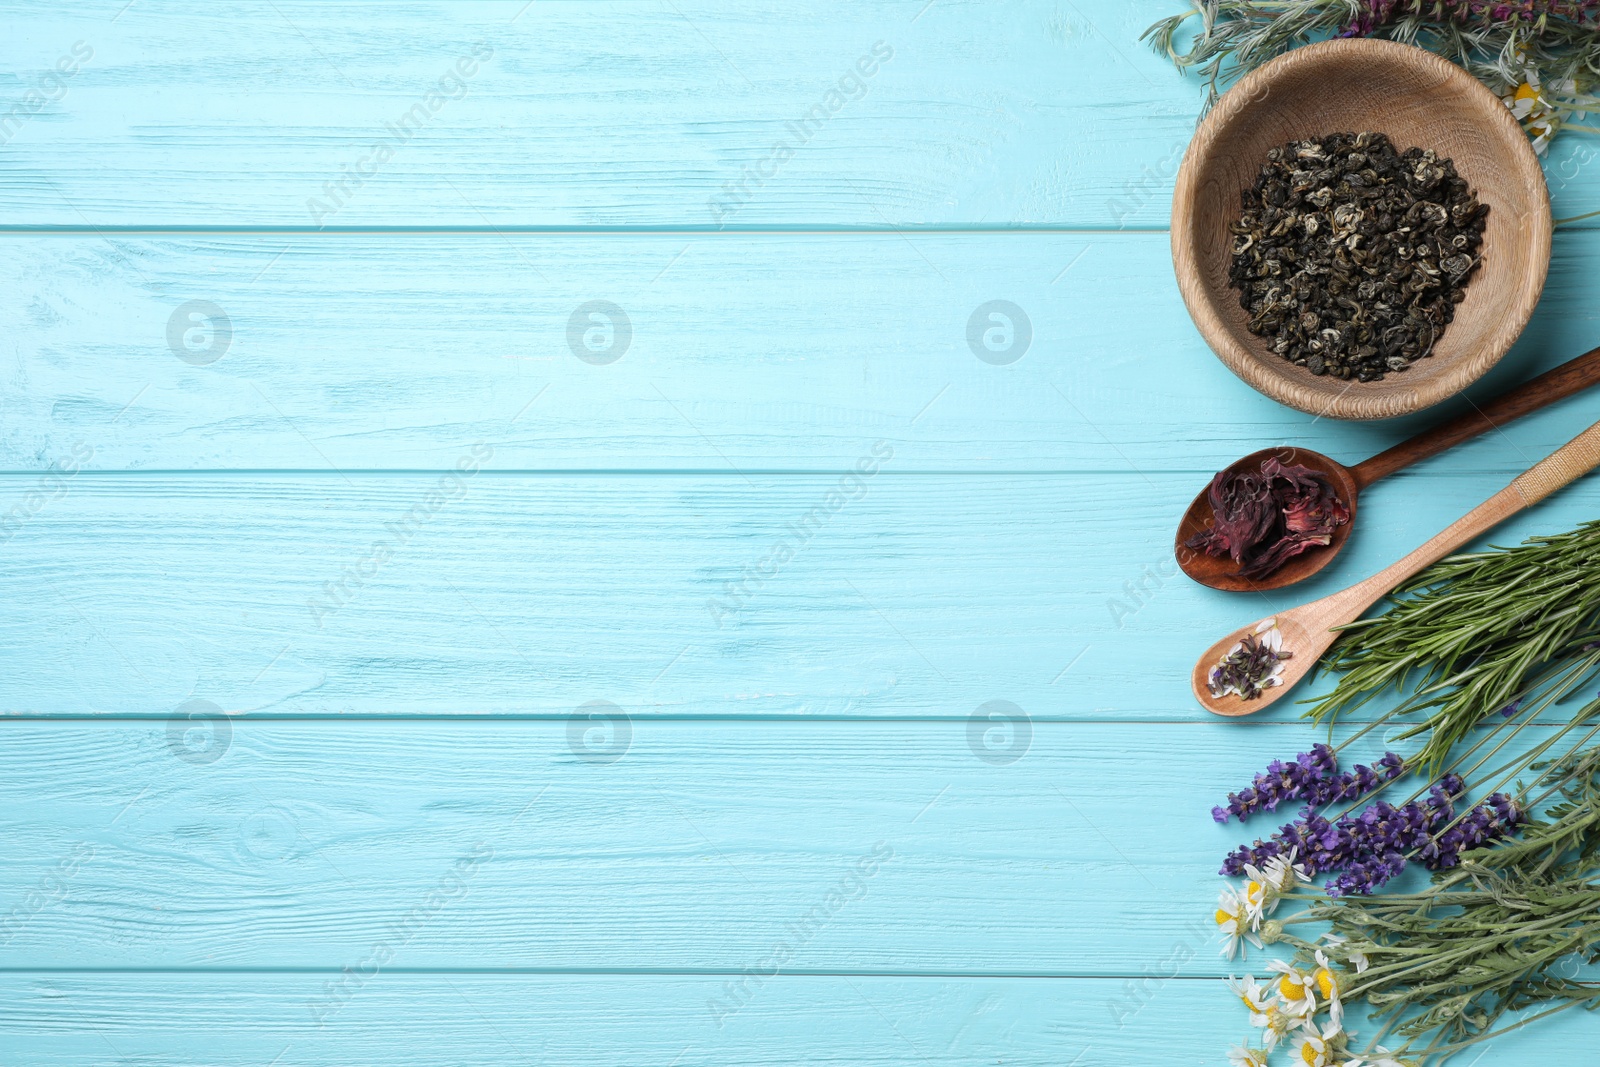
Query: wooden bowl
[1420, 100]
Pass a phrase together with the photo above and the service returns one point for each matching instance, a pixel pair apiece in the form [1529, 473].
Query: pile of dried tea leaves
[1351, 256]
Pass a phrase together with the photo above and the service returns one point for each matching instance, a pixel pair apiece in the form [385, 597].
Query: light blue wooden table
[513, 536]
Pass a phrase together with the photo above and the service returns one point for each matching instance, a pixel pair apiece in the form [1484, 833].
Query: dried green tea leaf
[1350, 257]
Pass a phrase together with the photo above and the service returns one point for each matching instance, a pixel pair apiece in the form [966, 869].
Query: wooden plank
[903, 848]
[245, 1020]
[740, 353]
[581, 114]
[684, 114]
[692, 595]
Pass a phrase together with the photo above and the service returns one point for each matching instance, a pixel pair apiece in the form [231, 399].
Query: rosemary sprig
[1474, 635]
[1541, 56]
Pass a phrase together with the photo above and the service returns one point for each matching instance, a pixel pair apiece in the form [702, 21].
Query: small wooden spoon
[1571, 377]
[1307, 631]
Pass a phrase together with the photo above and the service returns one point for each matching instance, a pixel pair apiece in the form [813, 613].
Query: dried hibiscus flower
[1262, 519]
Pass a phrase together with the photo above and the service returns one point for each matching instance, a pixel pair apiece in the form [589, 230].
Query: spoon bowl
[1221, 572]
[1304, 645]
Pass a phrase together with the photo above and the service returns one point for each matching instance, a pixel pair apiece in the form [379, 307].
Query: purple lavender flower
[1357, 783]
[1312, 778]
[1367, 847]
[1261, 852]
[1364, 877]
[1320, 761]
[1495, 818]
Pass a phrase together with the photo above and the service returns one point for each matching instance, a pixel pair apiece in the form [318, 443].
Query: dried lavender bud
[1350, 256]
[1255, 664]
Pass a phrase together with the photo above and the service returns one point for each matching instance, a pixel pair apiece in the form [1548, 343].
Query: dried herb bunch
[1497, 931]
[1479, 634]
[1351, 256]
[1499, 934]
[1542, 57]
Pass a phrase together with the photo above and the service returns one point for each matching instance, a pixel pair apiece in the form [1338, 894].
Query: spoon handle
[1571, 377]
[1566, 464]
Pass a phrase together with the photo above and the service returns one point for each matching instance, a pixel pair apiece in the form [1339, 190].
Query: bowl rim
[1275, 383]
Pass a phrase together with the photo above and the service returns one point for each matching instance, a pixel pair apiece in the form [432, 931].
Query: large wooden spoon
[1571, 377]
[1307, 631]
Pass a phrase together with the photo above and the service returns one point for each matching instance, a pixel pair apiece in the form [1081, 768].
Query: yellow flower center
[1327, 983]
[1291, 987]
[1224, 917]
[1311, 1054]
[1525, 92]
[1253, 891]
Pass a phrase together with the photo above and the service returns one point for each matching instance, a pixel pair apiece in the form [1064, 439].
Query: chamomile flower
[1254, 895]
[1326, 981]
[1275, 1023]
[1273, 880]
[1237, 921]
[1244, 1056]
[1255, 997]
[1529, 107]
[1539, 109]
[1533, 109]
[1321, 1049]
[1296, 989]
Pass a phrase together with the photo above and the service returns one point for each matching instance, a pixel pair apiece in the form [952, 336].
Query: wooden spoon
[1571, 377]
[1308, 630]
